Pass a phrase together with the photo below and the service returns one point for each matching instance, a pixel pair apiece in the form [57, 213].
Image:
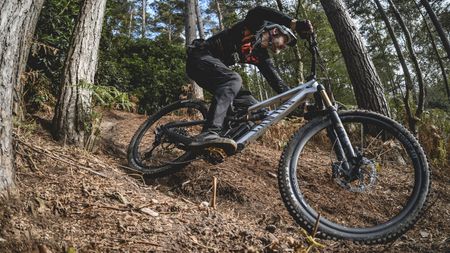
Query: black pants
[214, 76]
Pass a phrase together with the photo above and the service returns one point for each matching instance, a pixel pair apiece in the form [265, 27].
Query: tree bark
[219, 15]
[73, 111]
[363, 75]
[384, 53]
[198, 13]
[169, 30]
[190, 18]
[144, 12]
[443, 35]
[29, 28]
[412, 121]
[280, 5]
[412, 55]
[298, 56]
[130, 25]
[436, 51]
[16, 18]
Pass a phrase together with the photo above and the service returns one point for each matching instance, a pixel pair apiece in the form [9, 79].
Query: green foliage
[52, 39]
[168, 20]
[434, 135]
[108, 97]
[48, 52]
[152, 71]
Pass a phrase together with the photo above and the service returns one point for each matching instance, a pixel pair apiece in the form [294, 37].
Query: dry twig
[58, 156]
[214, 193]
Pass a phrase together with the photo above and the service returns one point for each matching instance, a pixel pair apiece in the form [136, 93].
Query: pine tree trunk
[130, 24]
[29, 27]
[436, 51]
[73, 111]
[144, 12]
[280, 5]
[169, 30]
[198, 13]
[16, 18]
[412, 121]
[219, 15]
[297, 55]
[412, 55]
[190, 18]
[443, 35]
[384, 54]
[365, 80]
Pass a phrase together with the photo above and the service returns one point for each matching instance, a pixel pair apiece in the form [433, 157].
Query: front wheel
[154, 153]
[381, 203]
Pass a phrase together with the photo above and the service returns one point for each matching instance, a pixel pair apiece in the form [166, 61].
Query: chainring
[215, 155]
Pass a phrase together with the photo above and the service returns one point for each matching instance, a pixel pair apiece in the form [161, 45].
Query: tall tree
[144, 12]
[190, 21]
[198, 14]
[365, 80]
[16, 28]
[168, 19]
[443, 35]
[436, 51]
[413, 57]
[29, 28]
[130, 24]
[219, 15]
[298, 57]
[280, 5]
[412, 121]
[73, 110]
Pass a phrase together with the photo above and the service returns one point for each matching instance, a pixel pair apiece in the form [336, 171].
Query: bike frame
[293, 98]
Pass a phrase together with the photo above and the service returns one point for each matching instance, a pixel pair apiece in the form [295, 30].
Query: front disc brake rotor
[366, 176]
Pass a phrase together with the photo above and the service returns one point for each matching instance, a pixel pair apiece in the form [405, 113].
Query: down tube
[286, 108]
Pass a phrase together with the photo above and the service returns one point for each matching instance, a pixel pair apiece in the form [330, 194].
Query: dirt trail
[59, 205]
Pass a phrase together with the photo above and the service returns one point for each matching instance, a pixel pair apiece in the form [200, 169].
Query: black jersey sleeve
[267, 69]
[256, 17]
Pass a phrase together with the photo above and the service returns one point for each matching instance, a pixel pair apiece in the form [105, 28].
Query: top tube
[283, 96]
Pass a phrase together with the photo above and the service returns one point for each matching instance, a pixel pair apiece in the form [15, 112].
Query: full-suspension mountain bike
[365, 174]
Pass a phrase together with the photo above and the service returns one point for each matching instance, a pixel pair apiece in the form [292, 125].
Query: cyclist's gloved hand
[304, 28]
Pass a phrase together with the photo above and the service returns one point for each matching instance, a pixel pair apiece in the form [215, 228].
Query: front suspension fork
[338, 136]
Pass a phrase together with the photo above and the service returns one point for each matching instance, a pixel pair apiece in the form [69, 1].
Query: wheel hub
[364, 177]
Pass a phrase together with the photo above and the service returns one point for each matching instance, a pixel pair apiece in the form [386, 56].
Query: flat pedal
[215, 155]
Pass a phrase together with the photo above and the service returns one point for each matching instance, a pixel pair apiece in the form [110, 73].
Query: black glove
[304, 28]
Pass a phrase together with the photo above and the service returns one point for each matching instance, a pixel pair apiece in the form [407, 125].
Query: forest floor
[69, 200]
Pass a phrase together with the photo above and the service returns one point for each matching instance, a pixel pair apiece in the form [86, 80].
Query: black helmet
[269, 26]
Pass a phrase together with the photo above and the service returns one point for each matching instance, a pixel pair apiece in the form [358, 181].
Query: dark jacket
[235, 44]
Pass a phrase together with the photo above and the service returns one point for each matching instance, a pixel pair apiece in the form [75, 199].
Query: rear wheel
[382, 202]
[155, 154]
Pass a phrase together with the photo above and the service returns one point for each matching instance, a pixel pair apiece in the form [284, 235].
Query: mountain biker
[247, 41]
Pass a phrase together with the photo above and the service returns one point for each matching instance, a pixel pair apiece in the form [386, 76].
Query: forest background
[141, 62]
